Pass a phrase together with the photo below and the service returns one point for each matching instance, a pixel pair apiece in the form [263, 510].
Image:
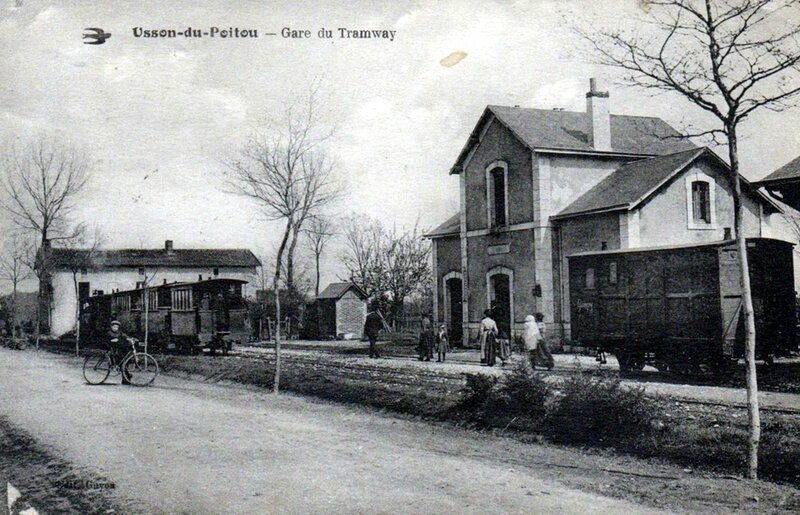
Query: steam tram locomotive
[680, 308]
[186, 317]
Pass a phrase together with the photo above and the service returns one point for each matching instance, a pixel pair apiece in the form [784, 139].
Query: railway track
[408, 376]
[355, 369]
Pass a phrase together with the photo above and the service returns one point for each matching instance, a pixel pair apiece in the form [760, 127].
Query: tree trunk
[316, 283]
[37, 330]
[290, 259]
[14, 310]
[747, 308]
[276, 285]
[77, 315]
[146, 313]
[42, 279]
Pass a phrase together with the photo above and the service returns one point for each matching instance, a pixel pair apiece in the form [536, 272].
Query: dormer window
[497, 194]
[700, 202]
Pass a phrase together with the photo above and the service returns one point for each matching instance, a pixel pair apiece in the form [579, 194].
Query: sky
[160, 117]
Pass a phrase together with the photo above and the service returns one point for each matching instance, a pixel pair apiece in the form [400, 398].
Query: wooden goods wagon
[679, 308]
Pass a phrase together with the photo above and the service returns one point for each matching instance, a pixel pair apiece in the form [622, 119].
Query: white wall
[65, 298]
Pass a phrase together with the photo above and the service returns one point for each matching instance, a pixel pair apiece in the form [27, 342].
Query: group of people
[430, 340]
[496, 344]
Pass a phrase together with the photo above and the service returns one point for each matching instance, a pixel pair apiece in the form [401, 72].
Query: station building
[539, 185]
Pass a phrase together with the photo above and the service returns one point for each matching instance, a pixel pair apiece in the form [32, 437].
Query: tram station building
[539, 185]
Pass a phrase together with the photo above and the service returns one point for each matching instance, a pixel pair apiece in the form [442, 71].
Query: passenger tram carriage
[180, 316]
[680, 308]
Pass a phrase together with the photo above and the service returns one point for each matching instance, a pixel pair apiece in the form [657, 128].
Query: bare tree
[384, 261]
[285, 170]
[405, 265]
[363, 238]
[42, 178]
[320, 231]
[728, 58]
[14, 269]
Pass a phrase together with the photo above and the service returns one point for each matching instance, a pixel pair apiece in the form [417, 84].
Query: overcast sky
[172, 110]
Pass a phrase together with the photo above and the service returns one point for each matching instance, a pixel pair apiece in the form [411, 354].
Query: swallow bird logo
[98, 35]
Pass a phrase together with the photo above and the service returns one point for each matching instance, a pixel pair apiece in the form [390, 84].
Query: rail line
[411, 375]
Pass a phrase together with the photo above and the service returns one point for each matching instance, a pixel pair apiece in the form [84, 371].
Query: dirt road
[189, 447]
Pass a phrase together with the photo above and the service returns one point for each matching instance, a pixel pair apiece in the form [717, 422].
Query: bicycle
[138, 368]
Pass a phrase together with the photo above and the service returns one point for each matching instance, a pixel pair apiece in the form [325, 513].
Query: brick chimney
[168, 247]
[599, 117]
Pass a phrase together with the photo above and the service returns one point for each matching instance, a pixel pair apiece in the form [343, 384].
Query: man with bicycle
[120, 345]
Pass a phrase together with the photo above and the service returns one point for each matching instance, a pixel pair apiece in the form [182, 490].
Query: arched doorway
[453, 307]
[500, 297]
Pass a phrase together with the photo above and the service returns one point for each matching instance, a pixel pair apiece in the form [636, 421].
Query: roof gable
[542, 130]
[630, 183]
[337, 290]
[634, 183]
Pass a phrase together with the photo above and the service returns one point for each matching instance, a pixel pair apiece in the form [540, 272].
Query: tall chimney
[599, 117]
[168, 246]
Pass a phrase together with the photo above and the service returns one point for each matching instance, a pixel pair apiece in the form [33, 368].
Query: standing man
[372, 326]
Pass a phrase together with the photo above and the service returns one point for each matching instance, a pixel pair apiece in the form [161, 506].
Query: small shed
[341, 309]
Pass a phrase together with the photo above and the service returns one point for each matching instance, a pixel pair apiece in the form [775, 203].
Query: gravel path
[190, 447]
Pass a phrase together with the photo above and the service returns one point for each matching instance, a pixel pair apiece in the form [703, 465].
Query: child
[543, 355]
[443, 344]
[505, 348]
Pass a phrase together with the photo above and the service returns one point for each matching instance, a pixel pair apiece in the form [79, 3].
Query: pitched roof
[450, 226]
[634, 182]
[629, 184]
[183, 258]
[789, 171]
[336, 290]
[543, 129]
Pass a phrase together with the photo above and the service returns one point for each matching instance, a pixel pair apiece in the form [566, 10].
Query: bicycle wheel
[96, 369]
[140, 369]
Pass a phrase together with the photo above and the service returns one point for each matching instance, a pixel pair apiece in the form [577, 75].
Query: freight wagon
[182, 316]
[679, 308]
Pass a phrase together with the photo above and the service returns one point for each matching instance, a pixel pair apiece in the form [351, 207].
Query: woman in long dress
[531, 338]
[488, 338]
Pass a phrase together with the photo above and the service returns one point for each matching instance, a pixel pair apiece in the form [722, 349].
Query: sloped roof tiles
[181, 258]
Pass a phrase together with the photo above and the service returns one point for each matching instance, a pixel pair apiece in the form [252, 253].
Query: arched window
[500, 297]
[497, 194]
[700, 202]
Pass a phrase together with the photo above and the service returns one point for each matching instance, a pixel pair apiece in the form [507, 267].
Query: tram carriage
[679, 308]
[181, 316]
